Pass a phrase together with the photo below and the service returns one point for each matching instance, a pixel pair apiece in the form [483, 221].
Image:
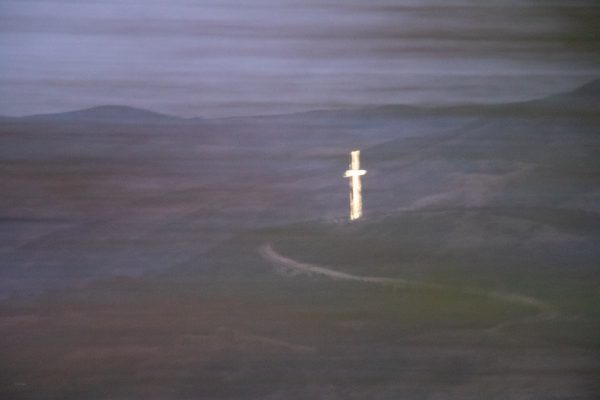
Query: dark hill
[587, 96]
[108, 113]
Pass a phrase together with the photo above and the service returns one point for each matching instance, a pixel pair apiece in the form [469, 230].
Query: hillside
[221, 249]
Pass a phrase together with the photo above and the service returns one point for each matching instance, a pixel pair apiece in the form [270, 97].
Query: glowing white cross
[355, 173]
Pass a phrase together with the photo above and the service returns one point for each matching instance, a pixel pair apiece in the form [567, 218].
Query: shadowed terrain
[156, 257]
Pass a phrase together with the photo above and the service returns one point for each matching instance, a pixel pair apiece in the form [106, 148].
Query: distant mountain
[121, 114]
[584, 100]
[587, 95]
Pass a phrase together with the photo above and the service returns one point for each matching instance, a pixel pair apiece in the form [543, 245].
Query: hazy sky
[238, 57]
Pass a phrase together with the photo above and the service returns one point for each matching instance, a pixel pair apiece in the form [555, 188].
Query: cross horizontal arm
[354, 172]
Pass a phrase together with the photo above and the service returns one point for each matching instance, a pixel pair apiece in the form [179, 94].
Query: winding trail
[545, 311]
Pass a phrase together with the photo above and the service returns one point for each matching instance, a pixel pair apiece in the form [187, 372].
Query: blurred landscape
[151, 256]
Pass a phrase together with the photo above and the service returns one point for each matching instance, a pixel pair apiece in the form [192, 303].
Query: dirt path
[545, 311]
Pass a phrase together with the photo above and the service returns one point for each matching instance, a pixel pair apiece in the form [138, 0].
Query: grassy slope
[226, 324]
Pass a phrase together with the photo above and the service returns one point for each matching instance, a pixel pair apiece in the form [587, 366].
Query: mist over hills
[584, 99]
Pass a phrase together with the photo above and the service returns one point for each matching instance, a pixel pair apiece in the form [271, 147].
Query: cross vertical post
[354, 173]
